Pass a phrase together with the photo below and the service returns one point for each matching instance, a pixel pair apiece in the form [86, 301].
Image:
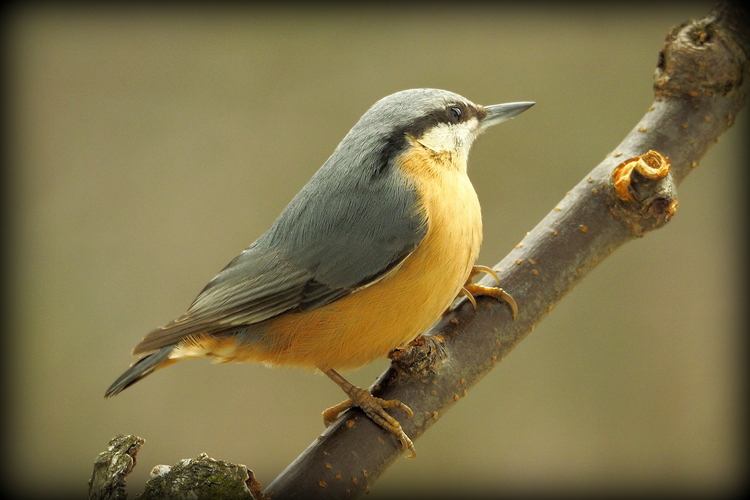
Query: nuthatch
[368, 255]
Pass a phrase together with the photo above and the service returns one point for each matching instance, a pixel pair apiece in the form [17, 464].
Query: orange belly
[367, 324]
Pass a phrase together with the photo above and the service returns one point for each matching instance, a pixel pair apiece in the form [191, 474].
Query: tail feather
[141, 368]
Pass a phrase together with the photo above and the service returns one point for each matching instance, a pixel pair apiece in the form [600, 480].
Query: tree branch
[701, 83]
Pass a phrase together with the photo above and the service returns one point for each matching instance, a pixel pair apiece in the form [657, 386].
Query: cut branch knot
[645, 191]
[702, 58]
[419, 357]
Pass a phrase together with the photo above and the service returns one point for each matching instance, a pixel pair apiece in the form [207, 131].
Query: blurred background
[149, 146]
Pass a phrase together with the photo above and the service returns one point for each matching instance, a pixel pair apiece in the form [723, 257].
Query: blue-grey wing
[339, 234]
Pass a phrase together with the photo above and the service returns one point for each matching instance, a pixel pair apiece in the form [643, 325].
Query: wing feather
[342, 232]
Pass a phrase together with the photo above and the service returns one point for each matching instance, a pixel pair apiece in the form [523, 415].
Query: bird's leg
[373, 407]
[471, 290]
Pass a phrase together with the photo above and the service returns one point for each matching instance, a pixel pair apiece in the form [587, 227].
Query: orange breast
[367, 324]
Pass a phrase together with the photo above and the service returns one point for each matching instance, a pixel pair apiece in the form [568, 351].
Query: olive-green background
[149, 146]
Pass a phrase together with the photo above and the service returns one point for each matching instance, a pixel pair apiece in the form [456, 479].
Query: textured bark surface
[112, 467]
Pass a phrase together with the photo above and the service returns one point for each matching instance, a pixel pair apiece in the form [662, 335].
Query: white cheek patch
[453, 138]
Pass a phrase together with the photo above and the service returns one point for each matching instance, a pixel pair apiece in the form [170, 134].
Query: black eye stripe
[453, 113]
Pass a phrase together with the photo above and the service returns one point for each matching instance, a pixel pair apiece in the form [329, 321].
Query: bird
[366, 257]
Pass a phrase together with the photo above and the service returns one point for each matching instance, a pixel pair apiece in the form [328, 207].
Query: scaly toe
[374, 408]
[495, 292]
[332, 414]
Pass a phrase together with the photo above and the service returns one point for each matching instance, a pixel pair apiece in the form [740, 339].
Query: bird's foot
[472, 290]
[373, 407]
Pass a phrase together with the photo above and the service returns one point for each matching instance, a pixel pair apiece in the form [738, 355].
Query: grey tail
[141, 368]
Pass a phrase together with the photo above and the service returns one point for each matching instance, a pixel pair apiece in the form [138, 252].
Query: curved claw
[484, 269]
[471, 290]
[466, 293]
[374, 408]
[495, 292]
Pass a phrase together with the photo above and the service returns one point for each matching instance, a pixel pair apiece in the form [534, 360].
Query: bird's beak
[498, 113]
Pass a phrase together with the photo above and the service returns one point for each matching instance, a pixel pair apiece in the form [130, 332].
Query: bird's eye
[455, 113]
